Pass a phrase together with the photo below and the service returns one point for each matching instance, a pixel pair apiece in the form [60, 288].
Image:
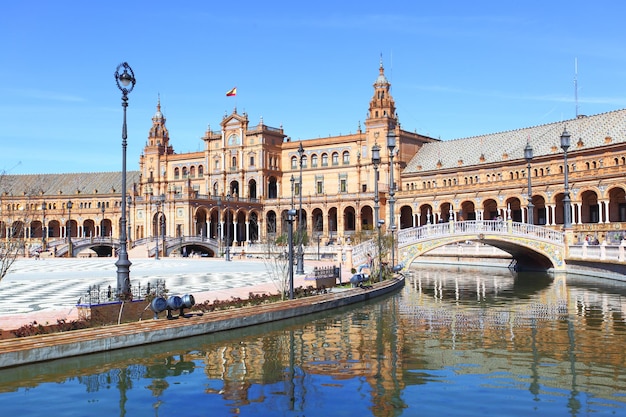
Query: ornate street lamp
[567, 214]
[227, 228]
[290, 216]
[102, 223]
[528, 155]
[157, 224]
[43, 227]
[376, 162]
[69, 230]
[379, 224]
[219, 228]
[300, 266]
[391, 144]
[128, 203]
[293, 179]
[125, 82]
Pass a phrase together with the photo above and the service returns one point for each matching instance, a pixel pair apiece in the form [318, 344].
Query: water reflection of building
[556, 333]
[553, 335]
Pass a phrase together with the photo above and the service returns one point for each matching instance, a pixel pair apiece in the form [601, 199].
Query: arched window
[184, 172]
[233, 162]
[176, 173]
[200, 171]
[335, 158]
[313, 161]
[346, 158]
[294, 162]
[324, 160]
[192, 172]
[304, 161]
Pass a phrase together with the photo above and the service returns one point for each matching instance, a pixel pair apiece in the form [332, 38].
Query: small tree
[276, 260]
[10, 248]
[13, 236]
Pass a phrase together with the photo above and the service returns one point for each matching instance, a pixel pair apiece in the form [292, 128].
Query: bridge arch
[533, 247]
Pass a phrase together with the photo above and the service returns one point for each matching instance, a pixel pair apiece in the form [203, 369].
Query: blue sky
[457, 69]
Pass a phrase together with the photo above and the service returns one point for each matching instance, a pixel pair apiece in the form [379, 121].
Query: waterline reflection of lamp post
[567, 215]
[380, 252]
[300, 266]
[69, 230]
[290, 216]
[125, 82]
[528, 155]
[391, 144]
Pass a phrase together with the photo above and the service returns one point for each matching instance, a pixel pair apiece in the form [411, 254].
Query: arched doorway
[252, 189]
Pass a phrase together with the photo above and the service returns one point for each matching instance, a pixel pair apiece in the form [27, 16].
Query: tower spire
[382, 105]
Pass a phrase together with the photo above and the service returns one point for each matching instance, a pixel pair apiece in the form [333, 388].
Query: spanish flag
[231, 92]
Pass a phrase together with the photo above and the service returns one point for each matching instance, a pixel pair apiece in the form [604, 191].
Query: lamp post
[219, 228]
[43, 227]
[227, 228]
[290, 216]
[159, 200]
[567, 214]
[125, 82]
[528, 155]
[300, 266]
[293, 179]
[102, 234]
[162, 224]
[128, 203]
[376, 162]
[391, 144]
[69, 229]
[379, 224]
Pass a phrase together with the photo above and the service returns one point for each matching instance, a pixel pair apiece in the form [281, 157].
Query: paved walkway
[48, 289]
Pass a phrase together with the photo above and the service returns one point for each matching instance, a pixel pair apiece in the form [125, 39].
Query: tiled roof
[586, 132]
[84, 183]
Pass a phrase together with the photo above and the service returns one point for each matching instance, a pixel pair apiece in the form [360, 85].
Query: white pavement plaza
[36, 285]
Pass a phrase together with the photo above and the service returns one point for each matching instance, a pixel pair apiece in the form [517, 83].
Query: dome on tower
[381, 80]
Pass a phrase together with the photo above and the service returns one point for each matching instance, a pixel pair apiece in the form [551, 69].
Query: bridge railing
[429, 231]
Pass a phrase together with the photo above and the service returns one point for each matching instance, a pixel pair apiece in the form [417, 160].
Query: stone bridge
[530, 245]
[172, 244]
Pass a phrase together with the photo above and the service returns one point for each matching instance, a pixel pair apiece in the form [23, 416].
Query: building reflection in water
[551, 336]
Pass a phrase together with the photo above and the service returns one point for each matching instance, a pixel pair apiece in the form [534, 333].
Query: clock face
[234, 139]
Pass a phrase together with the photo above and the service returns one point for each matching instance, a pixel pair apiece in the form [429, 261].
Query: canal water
[453, 342]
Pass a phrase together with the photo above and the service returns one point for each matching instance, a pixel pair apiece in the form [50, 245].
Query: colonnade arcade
[59, 229]
[592, 205]
[249, 225]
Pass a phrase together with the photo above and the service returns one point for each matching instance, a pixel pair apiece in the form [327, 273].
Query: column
[606, 212]
[235, 233]
[247, 231]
